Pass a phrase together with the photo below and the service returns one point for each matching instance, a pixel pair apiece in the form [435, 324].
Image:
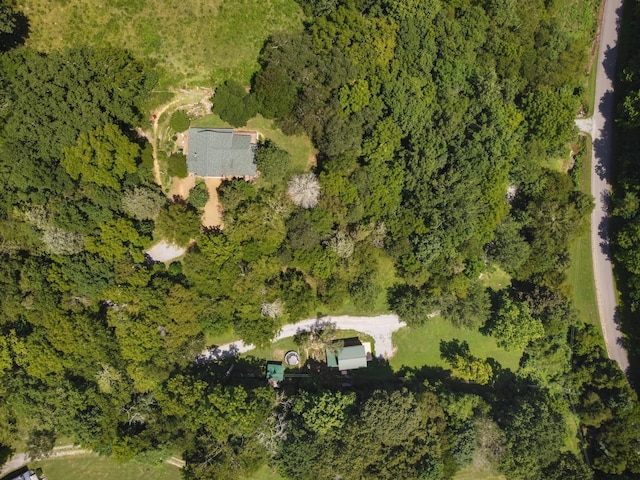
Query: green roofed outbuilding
[221, 153]
[351, 356]
[275, 372]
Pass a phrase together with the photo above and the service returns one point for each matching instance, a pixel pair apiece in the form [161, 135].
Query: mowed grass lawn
[191, 41]
[418, 346]
[580, 273]
[95, 467]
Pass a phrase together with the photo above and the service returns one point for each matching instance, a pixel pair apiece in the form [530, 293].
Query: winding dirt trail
[182, 99]
[21, 459]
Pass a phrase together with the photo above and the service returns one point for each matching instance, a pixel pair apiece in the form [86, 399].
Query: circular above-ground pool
[292, 358]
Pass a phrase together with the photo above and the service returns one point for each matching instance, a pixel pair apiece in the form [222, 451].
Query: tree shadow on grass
[18, 36]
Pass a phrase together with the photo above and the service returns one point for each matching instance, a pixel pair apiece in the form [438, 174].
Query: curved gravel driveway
[380, 327]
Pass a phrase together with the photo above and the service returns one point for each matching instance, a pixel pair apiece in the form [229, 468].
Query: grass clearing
[495, 278]
[418, 346]
[590, 92]
[81, 467]
[190, 41]
[580, 274]
[470, 473]
[266, 473]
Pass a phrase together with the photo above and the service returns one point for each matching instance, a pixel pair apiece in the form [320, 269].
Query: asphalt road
[601, 131]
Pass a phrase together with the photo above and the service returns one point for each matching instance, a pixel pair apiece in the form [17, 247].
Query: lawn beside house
[97, 467]
[419, 346]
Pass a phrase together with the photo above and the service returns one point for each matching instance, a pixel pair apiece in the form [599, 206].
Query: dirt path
[381, 328]
[182, 186]
[212, 216]
[600, 126]
[183, 99]
[21, 459]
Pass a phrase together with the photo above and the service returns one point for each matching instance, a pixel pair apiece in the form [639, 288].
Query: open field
[192, 42]
[471, 473]
[102, 468]
[418, 346]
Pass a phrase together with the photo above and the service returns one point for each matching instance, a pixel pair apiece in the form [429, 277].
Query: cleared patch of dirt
[212, 216]
[181, 186]
[165, 252]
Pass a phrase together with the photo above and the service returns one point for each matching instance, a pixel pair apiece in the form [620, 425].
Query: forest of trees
[626, 199]
[424, 113]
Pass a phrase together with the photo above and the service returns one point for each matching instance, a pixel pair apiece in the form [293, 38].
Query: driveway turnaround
[380, 328]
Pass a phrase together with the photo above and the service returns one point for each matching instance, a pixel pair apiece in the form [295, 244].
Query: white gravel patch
[380, 328]
[165, 252]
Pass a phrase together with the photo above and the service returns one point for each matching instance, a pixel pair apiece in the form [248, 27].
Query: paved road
[380, 328]
[601, 131]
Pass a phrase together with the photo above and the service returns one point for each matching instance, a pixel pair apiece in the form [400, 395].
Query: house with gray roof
[221, 153]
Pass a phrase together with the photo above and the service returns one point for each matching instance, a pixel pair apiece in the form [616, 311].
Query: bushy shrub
[179, 121]
[232, 103]
[273, 162]
[199, 195]
[178, 165]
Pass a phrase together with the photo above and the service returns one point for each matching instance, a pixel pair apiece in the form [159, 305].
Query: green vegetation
[177, 165]
[98, 467]
[233, 104]
[418, 346]
[580, 274]
[179, 121]
[191, 42]
[626, 197]
[408, 123]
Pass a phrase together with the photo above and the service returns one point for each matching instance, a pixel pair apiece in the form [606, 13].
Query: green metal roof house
[275, 372]
[220, 152]
[350, 357]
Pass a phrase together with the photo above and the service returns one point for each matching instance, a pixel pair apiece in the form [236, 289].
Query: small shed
[275, 373]
[351, 356]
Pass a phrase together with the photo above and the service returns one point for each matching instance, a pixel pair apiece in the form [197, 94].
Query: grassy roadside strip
[580, 274]
[590, 92]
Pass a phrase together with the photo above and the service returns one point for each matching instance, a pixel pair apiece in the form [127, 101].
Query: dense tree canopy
[422, 114]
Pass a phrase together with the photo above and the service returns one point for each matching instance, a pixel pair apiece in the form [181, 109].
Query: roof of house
[220, 152]
[26, 475]
[275, 372]
[348, 358]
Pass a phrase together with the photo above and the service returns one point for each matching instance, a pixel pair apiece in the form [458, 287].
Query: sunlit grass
[81, 467]
[418, 346]
[580, 274]
[190, 41]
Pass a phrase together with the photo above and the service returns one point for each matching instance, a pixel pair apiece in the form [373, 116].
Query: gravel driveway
[380, 328]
